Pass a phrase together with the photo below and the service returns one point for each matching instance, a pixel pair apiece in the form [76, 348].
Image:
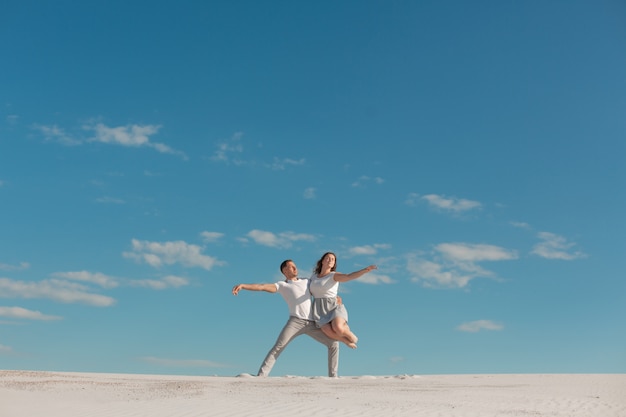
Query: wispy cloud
[444, 203]
[130, 136]
[553, 246]
[232, 151]
[105, 281]
[375, 278]
[5, 349]
[281, 240]
[478, 325]
[22, 313]
[281, 164]
[368, 249]
[454, 265]
[520, 225]
[157, 254]
[433, 274]
[182, 363]
[229, 150]
[110, 200]
[53, 289]
[364, 180]
[210, 237]
[170, 281]
[7, 267]
[148, 173]
[54, 133]
[471, 252]
[310, 193]
[133, 135]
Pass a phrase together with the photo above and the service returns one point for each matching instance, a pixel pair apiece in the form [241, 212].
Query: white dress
[325, 307]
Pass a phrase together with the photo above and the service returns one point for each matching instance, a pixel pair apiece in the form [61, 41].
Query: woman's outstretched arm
[339, 277]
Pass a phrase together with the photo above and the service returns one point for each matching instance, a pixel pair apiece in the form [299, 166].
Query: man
[295, 291]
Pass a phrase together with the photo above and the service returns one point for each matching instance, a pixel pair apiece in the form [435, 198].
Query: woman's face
[329, 260]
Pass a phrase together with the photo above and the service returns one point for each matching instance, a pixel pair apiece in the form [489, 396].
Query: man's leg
[293, 328]
[332, 345]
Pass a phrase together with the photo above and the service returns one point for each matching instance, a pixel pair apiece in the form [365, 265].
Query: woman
[331, 317]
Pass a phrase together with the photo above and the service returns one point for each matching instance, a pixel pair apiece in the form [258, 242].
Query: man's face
[290, 270]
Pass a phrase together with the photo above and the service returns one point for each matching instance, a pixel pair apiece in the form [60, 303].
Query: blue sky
[154, 154]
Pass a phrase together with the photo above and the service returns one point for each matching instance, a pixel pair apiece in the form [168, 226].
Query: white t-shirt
[296, 294]
[324, 287]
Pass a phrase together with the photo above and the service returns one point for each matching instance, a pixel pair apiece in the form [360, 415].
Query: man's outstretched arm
[254, 287]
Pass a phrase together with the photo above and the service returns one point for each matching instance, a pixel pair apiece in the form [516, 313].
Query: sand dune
[64, 394]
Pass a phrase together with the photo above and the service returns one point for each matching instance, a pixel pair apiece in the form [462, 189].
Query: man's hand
[237, 288]
[339, 300]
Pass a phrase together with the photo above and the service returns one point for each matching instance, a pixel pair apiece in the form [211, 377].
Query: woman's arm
[339, 277]
[254, 287]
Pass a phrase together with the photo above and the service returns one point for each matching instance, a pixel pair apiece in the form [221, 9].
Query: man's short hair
[284, 264]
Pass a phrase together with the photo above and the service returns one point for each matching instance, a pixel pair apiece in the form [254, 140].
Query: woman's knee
[340, 326]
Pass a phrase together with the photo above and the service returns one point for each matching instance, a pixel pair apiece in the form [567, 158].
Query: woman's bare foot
[351, 345]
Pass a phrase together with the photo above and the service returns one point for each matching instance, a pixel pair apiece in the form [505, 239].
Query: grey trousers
[294, 328]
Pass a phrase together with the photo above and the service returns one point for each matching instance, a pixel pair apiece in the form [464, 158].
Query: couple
[325, 320]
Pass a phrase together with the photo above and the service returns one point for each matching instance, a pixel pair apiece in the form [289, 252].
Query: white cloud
[157, 254]
[151, 173]
[520, 225]
[97, 278]
[228, 149]
[454, 265]
[310, 193]
[375, 279]
[281, 240]
[58, 290]
[474, 252]
[7, 267]
[170, 281]
[130, 136]
[478, 325]
[412, 199]
[110, 200]
[368, 249]
[364, 180]
[182, 363]
[453, 204]
[211, 236]
[54, 133]
[281, 164]
[231, 151]
[133, 135]
[5, 349]
[432, 274]
[22, 313]
[554, 246]
[105, 281]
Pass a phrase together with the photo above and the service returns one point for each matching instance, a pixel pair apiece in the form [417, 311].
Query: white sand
[64, 394]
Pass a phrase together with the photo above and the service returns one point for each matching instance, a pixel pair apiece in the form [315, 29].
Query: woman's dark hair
[318, 266]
